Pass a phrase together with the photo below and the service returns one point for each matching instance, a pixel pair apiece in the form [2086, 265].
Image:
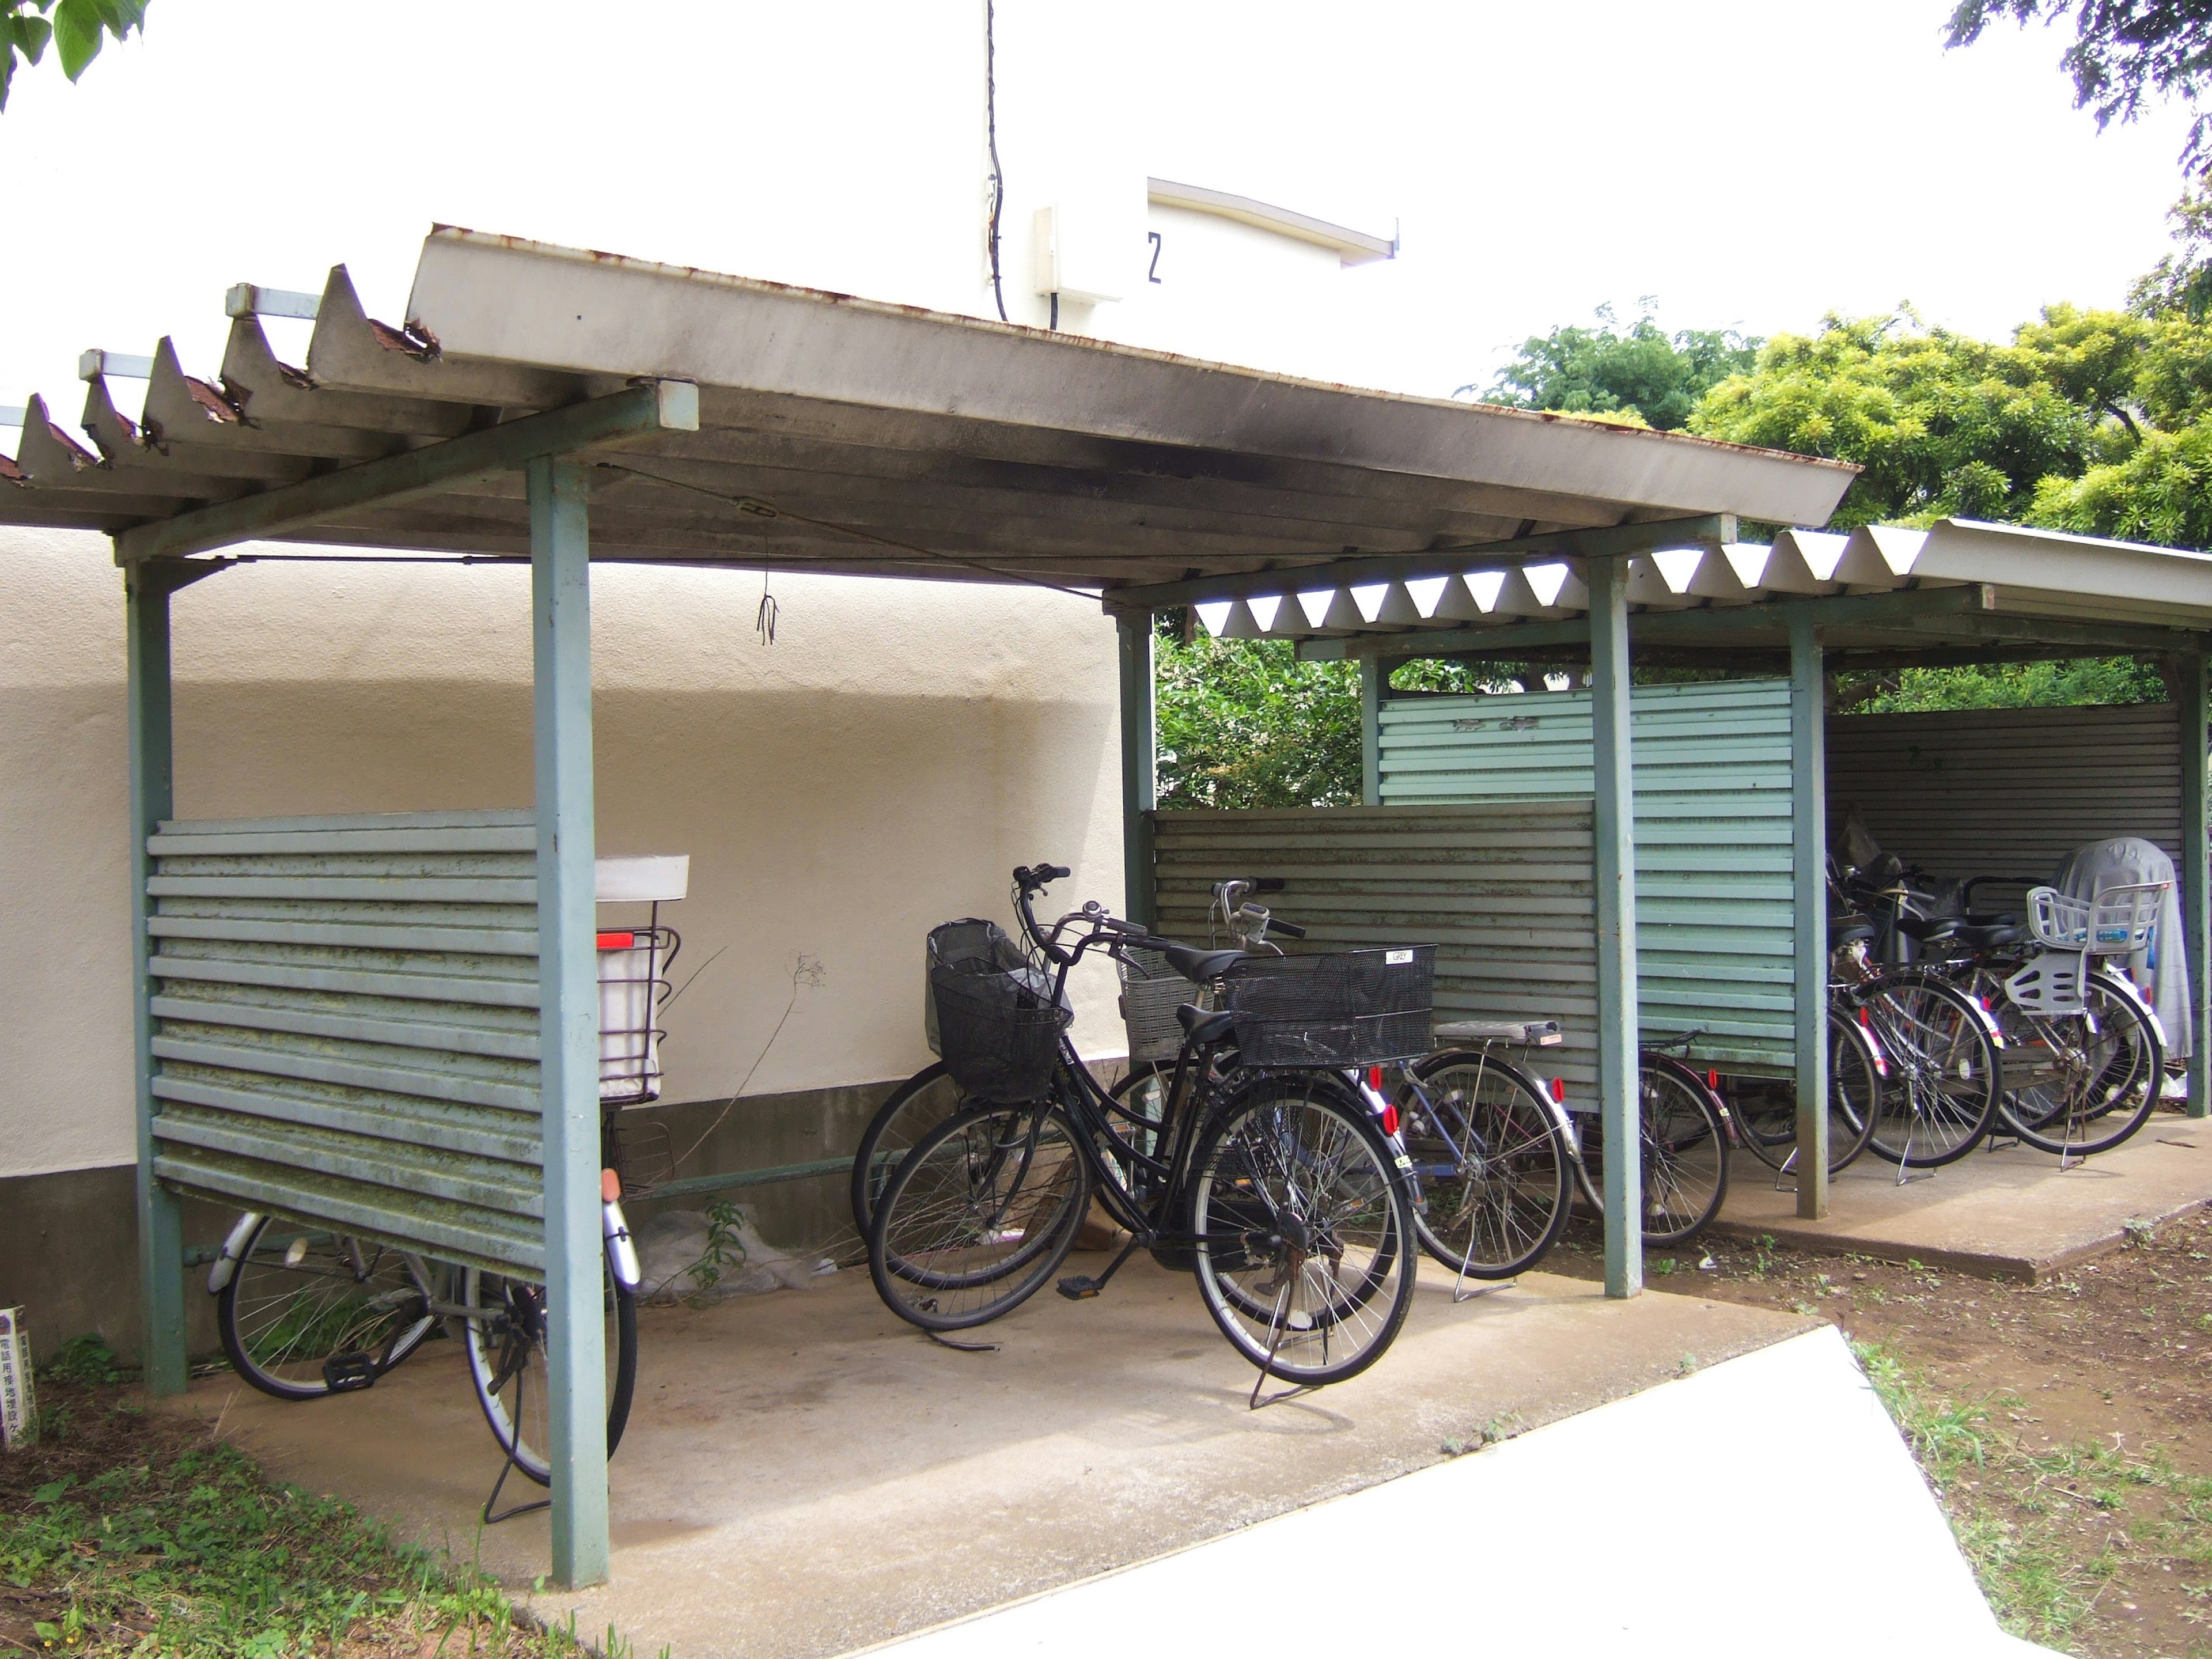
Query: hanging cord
[991, 134]
[764, 620]
[755, 505]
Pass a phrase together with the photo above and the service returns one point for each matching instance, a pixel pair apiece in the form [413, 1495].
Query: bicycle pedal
[344, 1372]
[1080, 1287]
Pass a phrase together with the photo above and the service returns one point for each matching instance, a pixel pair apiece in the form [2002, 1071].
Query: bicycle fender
[622, 1250]
[225, 1261]
[2119, 981]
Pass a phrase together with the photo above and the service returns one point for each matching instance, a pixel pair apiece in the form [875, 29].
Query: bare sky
[1750, 163]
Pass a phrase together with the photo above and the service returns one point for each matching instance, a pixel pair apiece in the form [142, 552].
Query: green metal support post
[569, 1019]
[1140, 771]
[1374, 681]
[2192, 691]
[1809, 848]
[160, 1229]
[1614, 780]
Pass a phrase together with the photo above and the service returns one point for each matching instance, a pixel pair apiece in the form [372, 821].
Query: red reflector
[1713, 1080]
[1375, 1079]
[1390, 1120]
[1560, 1090]
[618, 941]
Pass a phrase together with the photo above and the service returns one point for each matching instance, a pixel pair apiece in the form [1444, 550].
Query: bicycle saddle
[1928, 928]
[1203, 966]
[1988, 935]
[1202, 1027]
[1846, 930]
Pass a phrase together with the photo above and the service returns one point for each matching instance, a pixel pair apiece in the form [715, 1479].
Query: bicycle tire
[1943, 1079]
[1490, 1161]
[909, 1112]
[2132, 1066]
[1250, 1218]
[505, 1336]
[281, 1322]
[1685, 1142]
[1854, 1105]
[933, 1248]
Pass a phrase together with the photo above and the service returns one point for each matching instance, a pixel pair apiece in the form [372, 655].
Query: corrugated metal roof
[844, 435]
[2021, 579]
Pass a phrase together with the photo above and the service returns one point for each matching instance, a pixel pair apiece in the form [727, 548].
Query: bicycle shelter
[389, 1025]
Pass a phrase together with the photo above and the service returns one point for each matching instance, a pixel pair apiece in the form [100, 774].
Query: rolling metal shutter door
[2007, 791]
[347, 1026]
[1503, 890]
[1715, 927]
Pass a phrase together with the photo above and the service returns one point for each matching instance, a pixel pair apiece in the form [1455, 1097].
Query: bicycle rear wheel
[1304, 1231]
[1940, 1095]
[506, 1332]
[300, 1303]
[1496, 1178]
[910, 1112]
[2094, 1077]
[978, 1215]
[1686, 1151]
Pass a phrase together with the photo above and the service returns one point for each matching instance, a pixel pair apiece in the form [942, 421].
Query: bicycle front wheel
[1941, 1094]
[301, 1304]
[2090, 1079]
[978, 1215]
[1496, 1181]
[506, 1330]
[1304, 1231]
[910, 1112]
[1766, 1121]
[1686, 1151]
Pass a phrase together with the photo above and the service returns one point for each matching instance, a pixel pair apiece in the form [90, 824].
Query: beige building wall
[879, 769]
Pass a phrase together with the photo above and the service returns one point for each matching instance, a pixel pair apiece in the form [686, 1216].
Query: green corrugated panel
[1715, 927]
[347, 1026]
[1501, 890]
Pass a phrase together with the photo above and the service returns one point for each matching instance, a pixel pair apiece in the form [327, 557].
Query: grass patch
[127, 1533]
[2050, 1532]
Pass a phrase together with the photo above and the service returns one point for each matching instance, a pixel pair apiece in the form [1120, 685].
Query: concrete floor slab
[2011, 1215]
[1559, 1528]
[804, 1475]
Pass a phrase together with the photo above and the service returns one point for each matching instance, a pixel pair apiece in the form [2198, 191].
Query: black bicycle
[1267, 1168]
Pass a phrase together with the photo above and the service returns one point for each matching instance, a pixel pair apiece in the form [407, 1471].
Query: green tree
[2126, 54]
[1244, 723]
[76, 28]
[1639, 372]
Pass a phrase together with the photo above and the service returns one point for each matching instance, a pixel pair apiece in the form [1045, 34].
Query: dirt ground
[2069, 1418]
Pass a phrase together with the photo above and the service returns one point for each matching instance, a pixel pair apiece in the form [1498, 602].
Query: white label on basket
[1391, 958]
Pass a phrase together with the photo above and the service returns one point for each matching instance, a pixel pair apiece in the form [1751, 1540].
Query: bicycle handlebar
[1288, 929]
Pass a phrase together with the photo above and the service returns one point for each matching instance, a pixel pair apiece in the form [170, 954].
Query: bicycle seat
[1203, 966]
[1988, 935]
[1847, 930]
[1206, 1029]
[1926, 929]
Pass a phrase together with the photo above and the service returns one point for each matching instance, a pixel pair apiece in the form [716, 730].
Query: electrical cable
[991, 134]
[755, 505]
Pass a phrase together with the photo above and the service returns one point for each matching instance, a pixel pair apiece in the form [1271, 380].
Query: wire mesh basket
[633, 984]
[2120, 922]
[1347, 1008]
[644, 1157]
[996, 1022]
[1151, 991]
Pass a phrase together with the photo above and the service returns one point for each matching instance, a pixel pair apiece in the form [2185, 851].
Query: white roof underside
[885, 440]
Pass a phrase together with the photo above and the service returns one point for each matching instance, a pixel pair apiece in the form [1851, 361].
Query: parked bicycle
[1276, 1175]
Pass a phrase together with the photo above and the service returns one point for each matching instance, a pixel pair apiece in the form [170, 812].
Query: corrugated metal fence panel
[2007, 791]
[1715, 927]
[1502, 889]
[346, 1026]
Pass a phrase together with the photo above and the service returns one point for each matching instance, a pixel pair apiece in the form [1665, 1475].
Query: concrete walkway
[1669, 1523]
[2012, 1214]
[804, 1475]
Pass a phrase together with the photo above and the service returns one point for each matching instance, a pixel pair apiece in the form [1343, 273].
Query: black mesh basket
[995, 1022]
[1348, 1008]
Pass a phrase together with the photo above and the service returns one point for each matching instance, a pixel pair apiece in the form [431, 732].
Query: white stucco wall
[879, 769]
